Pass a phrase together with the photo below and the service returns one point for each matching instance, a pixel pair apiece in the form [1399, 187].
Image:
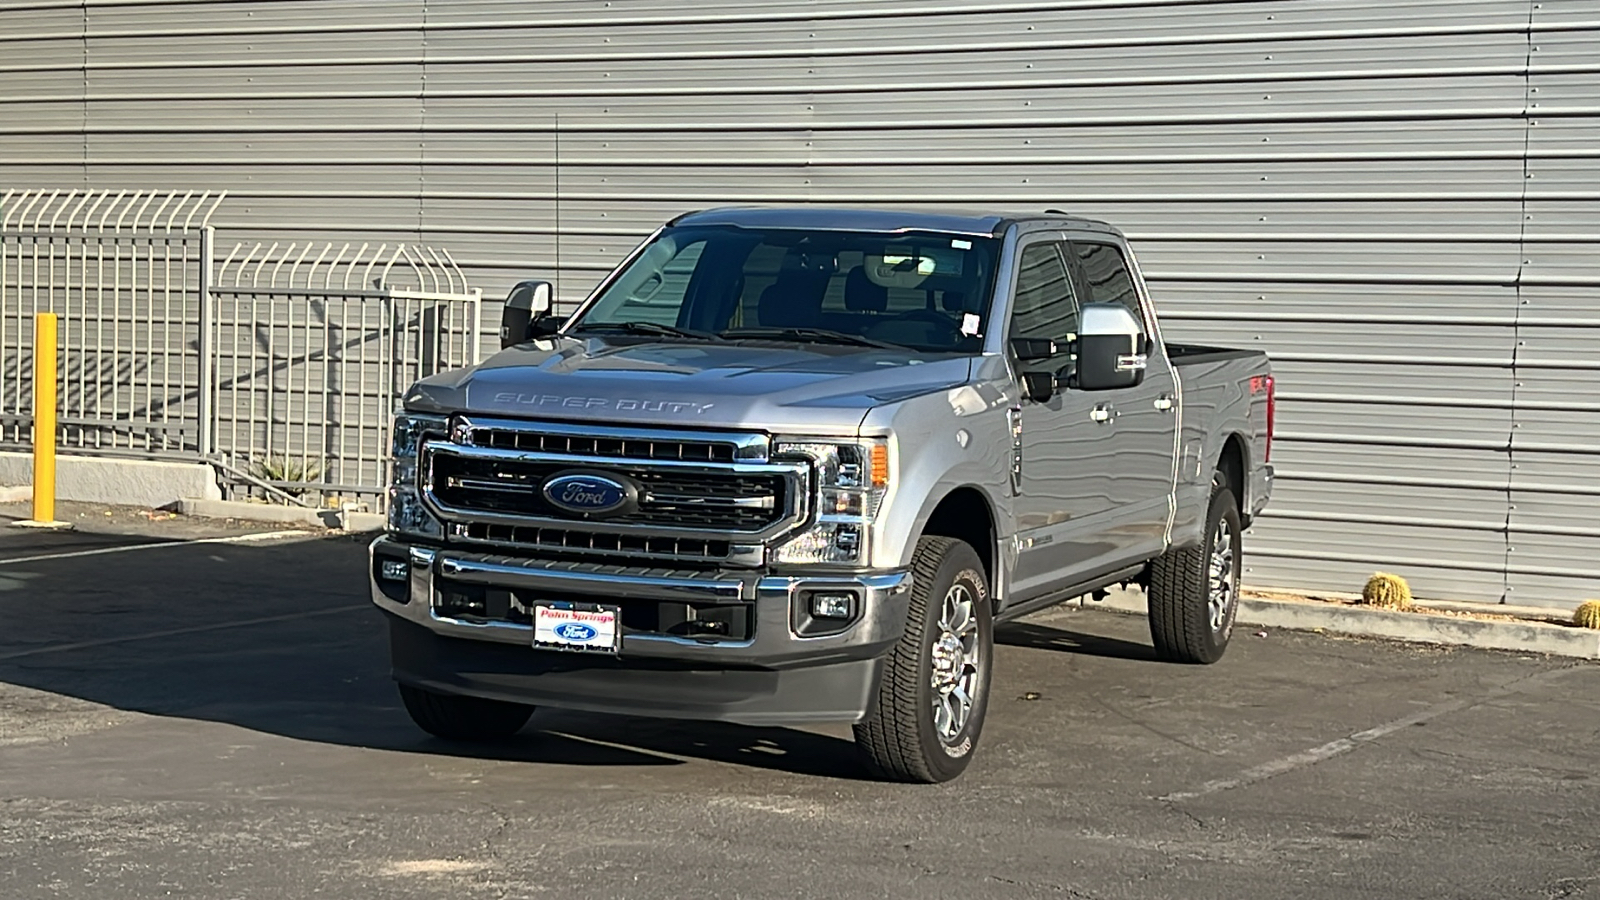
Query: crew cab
[794, 465]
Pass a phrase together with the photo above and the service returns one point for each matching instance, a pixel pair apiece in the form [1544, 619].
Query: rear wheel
[935, 686]
[1194, 591]
[457, 718]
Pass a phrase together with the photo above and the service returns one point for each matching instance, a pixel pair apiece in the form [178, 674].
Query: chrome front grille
[721, 501]
[702, 497]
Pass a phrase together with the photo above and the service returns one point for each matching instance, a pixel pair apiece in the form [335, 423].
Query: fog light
[393, 570]
[832, 605]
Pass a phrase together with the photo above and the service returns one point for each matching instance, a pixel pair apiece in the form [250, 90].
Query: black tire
[1184, 624]
[457, 718]
[901, 739]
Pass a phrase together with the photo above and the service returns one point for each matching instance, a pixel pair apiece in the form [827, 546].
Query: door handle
[1102, 414]
[1164, 403]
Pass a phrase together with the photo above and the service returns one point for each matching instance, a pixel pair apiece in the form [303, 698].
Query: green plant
[1387, 591]
[1587, 615]
[282, 471]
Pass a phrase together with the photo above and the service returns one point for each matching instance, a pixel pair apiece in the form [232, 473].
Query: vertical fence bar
[207, 344]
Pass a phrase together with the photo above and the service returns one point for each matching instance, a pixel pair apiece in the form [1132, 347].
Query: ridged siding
[1397, 199]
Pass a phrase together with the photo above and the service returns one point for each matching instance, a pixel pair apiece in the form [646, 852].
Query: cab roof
[824, 218]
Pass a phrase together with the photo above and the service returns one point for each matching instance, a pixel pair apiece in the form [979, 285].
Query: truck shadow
[1045, 637]
[279, 638]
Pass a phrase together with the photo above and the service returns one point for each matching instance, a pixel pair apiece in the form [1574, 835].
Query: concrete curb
[1423, 628]
[283, 515]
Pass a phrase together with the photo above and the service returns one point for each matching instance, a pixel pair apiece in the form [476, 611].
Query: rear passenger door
[1143, 432]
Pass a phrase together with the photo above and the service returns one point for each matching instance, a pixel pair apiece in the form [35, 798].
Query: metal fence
[126, 273]
[313, 347]
[281, 366]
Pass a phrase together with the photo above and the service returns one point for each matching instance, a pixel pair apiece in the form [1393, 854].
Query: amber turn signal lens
[880, 465]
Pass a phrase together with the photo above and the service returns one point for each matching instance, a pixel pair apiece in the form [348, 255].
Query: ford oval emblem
[575, 631]
[589, 493]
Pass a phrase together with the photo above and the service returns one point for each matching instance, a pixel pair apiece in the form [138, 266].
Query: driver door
[1064, 493]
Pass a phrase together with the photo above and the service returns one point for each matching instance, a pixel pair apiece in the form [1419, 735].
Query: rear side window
[1106, 272]
[1045, 306]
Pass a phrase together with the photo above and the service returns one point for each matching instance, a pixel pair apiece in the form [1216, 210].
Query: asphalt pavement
[208, 714]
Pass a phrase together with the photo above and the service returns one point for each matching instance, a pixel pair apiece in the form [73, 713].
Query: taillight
[1272, 412]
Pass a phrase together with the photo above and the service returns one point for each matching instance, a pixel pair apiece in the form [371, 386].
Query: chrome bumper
[773, 644]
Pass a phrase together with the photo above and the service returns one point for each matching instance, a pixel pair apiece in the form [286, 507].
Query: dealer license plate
[590, 628]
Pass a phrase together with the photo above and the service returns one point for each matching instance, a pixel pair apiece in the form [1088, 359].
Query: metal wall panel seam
[809, 14]
[1292, 476]
[1486, 526]
[1388, 559]
[735, 89]
[1436, 113]
[1438, 402]
[834, 161]
[909, 49]
[1518, 302]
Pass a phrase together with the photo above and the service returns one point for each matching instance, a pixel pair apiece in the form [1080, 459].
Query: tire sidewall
[960, 563]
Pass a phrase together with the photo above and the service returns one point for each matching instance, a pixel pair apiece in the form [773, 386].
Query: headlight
[852, 480]
[407, 513]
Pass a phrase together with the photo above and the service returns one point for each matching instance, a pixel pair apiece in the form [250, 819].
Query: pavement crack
[1199, 822]
[1129, 717]
[502, 825]
[1047, 885]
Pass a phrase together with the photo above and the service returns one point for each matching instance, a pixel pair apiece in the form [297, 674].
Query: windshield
[924, 291]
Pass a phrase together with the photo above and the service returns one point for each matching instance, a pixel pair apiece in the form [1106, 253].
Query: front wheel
[935, 685]
[457, 718]
[1194, 591]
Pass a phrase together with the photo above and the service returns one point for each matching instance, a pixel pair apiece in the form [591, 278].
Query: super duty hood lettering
[556, 401]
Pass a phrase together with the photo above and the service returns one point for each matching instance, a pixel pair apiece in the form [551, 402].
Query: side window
[1107, 274]
[1044, 306]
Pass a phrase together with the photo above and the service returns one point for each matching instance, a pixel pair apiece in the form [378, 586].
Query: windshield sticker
[959, 244]
[970, 323]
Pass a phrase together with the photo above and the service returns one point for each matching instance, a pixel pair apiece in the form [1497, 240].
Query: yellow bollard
[44, 420]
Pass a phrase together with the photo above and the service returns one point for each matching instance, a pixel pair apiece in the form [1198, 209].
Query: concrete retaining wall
[128, 482]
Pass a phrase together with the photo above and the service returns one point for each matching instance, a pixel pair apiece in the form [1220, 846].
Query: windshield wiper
[813, 335]
[651, 328]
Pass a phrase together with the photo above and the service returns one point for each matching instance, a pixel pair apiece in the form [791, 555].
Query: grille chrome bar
[766, 501]
[705, 497]
[591, 543]
[609, 444]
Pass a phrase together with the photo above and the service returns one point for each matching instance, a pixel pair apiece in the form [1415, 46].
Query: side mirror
[529, 299]
[1032, 349]
[544, 326]
[1039, 386]
[1111, 348]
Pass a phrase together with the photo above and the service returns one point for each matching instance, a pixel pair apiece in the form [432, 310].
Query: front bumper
[773, 675]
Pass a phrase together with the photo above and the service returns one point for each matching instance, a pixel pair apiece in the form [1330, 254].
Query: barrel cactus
[1387, 591]
[1587, 614]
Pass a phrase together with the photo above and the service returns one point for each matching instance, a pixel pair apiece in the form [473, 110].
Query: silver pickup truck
[794, 465]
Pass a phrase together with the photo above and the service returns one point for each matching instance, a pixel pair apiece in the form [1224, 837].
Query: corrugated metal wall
[1397, 198]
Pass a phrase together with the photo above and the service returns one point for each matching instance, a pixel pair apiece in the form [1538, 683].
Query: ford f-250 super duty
[793, 465]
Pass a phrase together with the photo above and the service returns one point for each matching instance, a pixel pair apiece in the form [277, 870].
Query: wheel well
[1231, 465]
[964, 513]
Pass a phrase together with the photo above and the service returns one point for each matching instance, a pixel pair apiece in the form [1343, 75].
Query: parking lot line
[129, 548]
[1350, 742]
[172, 632]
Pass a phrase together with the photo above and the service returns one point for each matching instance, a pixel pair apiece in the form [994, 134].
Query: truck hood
[747, 385]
